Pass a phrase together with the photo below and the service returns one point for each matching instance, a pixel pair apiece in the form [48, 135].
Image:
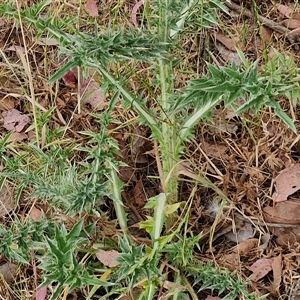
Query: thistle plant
[19, 239]
[60, 263]
[220, 280]
[173, 126]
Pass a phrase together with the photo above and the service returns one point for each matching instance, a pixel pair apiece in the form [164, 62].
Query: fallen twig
[293, 38]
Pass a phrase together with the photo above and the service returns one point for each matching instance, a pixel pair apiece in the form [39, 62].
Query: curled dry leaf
[287, 183]
[134, 12]
[265, 239]
[15, 120]
[69, 79]
[108, 258]
[277, 272]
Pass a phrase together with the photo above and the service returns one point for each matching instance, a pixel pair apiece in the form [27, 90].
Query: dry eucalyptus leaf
[92, 94]
[47, 42]
[285, 10]
[266, 34]
[292, 24]
[228, 42]
[35, 214]
[288, 12]
[15, 120]
[108, 258]
[8, 271]
[287, 183]
[242, 234]
[261, 268]
[284, 212]
[286, 236]
[92, 8]
[41, 293]
[18, 137]
[229, 56]
[6, 201]
[246, 246]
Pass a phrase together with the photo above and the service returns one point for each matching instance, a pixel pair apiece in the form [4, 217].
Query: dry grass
[241, 155]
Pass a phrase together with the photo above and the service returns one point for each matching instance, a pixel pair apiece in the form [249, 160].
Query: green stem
[116, 186]
[151, 290]
[167, 128]
[169, 154]
[127, 95]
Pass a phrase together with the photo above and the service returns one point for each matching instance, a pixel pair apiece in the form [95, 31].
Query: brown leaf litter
[245, 164]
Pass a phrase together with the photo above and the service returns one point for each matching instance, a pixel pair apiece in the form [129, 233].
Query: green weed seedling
[18, 240]
[60, 263]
